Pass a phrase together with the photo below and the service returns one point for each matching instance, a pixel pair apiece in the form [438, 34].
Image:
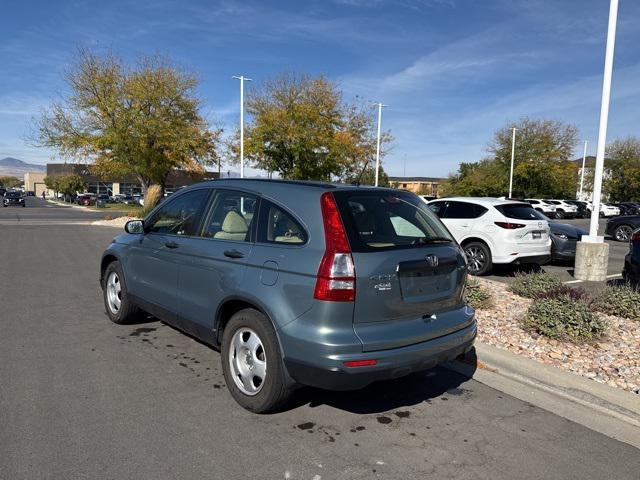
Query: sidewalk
[608, 410]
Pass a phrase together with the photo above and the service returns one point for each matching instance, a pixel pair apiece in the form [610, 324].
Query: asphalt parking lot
[84, 398]
[40, 212]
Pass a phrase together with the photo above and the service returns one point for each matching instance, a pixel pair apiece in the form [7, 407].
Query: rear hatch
[529, 227]
[410, 272]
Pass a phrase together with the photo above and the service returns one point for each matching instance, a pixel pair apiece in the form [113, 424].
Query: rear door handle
[233, 254]
[171, 245]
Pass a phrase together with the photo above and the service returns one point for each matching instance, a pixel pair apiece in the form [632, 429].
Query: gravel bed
[613, 360]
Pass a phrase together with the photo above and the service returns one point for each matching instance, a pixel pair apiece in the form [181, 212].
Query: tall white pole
[242, 80]
[513, 153]
[604, 117]
[584, 158]
[380, 105]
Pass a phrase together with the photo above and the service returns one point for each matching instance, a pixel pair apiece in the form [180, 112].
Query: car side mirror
[134, 226]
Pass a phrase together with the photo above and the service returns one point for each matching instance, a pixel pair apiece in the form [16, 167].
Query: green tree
[302, 128]
[623, 180]
[52, 183]
[143, 120]
[8, 181]
[68, 185]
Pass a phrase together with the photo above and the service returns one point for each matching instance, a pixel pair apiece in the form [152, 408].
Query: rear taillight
[336, 279]
[636, 236]
[509, 225]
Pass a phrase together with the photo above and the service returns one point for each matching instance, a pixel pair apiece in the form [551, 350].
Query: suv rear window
[518, 211]
[388, 220]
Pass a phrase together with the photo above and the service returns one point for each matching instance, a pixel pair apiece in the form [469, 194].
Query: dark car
[631, 270]
[30, 193]
[629, 208]
[13, 199]
[297, 283]
[583, 211]
[621, 228]
[563, 240]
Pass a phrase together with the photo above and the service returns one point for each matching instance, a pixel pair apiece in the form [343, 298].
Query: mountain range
[17, 168]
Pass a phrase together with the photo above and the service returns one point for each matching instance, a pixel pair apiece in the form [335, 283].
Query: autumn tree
[142, 120]
[68, 185]
[302, 129]
[8, 181]
[623, 179]
[542, 166]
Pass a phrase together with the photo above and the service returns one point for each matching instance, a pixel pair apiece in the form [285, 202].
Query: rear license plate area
[537, 235]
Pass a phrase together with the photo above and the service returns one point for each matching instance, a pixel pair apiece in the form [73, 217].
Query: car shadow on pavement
[380, 397]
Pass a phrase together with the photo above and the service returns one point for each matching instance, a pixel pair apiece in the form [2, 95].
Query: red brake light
[509, 225]
[636, 236]
[336, 278]
[360, 363]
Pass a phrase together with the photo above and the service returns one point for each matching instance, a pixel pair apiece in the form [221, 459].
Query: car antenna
[357, 182]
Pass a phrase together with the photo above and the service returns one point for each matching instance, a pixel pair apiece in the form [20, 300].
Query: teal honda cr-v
[297, 283]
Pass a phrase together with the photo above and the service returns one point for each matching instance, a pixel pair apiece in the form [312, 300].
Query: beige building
[420, 185]
[34, 181]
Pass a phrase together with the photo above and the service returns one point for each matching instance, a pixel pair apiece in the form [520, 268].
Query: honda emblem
[432, 260]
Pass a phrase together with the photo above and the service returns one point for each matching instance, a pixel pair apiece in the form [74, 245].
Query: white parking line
[615, 275]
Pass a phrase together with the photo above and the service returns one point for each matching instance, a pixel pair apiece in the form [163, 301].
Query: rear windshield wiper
[428, 240]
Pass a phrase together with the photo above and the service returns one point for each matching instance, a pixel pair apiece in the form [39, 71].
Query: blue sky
[452, 71]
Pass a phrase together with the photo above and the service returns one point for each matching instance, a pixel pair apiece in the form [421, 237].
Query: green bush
[576, 294]
[476, 295]
[564, 318]
[619, 300]
[531, 285]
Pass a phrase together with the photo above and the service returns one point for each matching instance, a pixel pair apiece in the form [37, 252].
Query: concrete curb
[608, 410]
[63, 204]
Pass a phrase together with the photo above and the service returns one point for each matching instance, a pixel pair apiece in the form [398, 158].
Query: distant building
[589, 166]
[420, 185]
[127, 184]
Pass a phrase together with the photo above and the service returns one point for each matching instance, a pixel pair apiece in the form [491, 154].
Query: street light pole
[604, 118]
[380, 105]
[592, 253]
[242, 80]
[584, 158]
[513, 153]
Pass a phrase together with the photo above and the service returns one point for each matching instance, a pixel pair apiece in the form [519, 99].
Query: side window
[460, 210]
[437, 208]
[181, 215]
[232, 216]
[278, 226]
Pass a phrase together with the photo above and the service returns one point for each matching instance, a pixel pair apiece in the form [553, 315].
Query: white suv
[491, 231]
[563, 209]
[542, 206]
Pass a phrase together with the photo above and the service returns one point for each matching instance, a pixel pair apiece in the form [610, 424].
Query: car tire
[623, 233]
[478, 258]
[117, 303]
[252, 362]
[560, 214]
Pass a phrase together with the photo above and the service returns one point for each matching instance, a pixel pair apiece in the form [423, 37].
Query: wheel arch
[233, 304]
[472, 239]
[107, 258]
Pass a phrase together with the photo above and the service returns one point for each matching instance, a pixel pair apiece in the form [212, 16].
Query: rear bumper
[331, 374]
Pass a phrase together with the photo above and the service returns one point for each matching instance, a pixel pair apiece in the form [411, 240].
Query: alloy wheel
[623, 233]
[476, 259]
[114, 293]
[248, 361]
